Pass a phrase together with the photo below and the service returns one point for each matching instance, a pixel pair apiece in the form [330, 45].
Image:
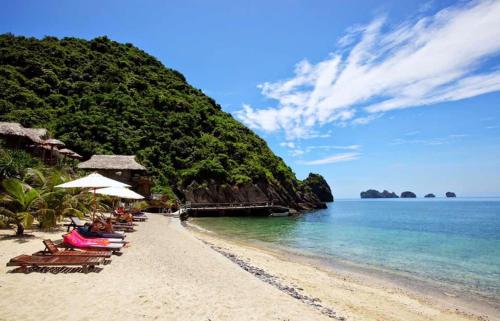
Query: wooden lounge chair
[52, 249]
[75, 222]
[25, 261]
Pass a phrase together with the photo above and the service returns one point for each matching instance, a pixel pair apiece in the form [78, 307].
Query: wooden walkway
[233, 209]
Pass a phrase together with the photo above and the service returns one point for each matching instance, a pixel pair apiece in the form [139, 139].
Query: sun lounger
[75, 222]
[74, 239]
[108, 239]
[52, 249]
[25, 261]
[85, 231]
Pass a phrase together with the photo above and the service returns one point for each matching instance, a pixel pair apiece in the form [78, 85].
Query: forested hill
[100, 96]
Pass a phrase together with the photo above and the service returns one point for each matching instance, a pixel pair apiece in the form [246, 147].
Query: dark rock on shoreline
[408, 194]
[450, 194]
[430, 195]
[372, 193]
[273, 280]
[319, 186]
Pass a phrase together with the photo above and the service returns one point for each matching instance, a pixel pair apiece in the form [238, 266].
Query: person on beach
[96, 226]
[108, 226]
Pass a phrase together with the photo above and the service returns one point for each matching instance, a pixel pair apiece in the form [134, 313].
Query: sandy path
[166, 274]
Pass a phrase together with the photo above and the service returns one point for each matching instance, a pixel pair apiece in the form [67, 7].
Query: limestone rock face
[408, 194]
[261, 192]
[372, 193]
[430, 195]
[319, 186]
[450, 194]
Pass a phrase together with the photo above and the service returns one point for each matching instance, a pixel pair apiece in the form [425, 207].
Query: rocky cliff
[301, 199]
[319, 187]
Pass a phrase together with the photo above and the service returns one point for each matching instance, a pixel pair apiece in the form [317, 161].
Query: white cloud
[431, 141]
[329, 147]
[412, 133]
[297, 152]
[287, 144]
[442, 57]
[333, 159]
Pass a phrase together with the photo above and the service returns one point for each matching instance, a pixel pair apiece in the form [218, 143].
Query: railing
[190, 205]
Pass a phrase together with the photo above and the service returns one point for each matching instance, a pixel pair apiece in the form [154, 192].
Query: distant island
[372, 193]
[408, 194]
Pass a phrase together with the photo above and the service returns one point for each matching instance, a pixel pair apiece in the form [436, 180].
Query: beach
[165, 274]
[170, 272]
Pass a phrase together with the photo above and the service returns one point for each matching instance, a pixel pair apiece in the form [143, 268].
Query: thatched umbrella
[76, 155]
[53, 143]
[69, 153]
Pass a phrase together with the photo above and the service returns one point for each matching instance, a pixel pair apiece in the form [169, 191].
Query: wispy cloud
[287, 144]
[333, 159]
[330, 147]
[430, 141]
[296, 150]
[412, 133]
[437, 58]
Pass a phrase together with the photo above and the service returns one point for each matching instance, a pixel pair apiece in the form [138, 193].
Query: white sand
[166, 274]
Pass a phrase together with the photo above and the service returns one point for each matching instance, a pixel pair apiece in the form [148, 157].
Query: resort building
[36, 141]
[17, 136]
[123, 168]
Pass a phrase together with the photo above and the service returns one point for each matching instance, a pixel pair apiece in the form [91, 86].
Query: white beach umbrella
[121, 192]
[93, 181]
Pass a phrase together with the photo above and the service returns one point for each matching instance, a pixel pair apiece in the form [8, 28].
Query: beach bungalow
[123, 168]
[17, 136]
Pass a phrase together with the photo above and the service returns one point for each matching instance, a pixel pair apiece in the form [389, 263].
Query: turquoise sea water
[453, 241]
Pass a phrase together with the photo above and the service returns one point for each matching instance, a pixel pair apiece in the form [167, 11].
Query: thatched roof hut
[123, 168]
[36, 135]
[112, 162]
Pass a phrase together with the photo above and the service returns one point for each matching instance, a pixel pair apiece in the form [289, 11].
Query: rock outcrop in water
[408, 194]
[450, 194]
[372, 193]
[430, 195]
[319, 187]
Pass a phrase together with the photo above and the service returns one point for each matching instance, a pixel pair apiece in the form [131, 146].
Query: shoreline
[428, 294]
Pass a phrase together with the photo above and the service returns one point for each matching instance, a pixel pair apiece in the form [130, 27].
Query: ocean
[451, 242]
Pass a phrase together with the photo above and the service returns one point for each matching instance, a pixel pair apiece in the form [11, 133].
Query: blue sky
[397, 95]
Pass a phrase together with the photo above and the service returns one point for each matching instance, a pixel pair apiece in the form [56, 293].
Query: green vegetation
[35, 198]
[103, 97]
[28, 194]
[14, 163]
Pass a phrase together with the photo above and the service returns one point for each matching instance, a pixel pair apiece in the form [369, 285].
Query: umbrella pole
[95, 207]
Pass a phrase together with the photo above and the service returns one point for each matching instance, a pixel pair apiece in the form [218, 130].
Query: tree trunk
[20, 229]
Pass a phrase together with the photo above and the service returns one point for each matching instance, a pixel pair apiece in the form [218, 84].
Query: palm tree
[18, 203]
[56, 203]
